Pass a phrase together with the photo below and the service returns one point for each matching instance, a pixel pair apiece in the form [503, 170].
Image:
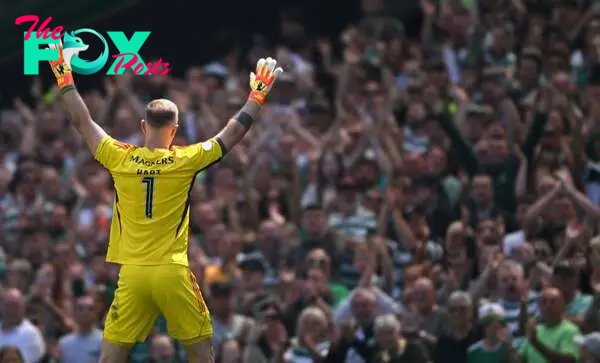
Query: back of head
[161, 112]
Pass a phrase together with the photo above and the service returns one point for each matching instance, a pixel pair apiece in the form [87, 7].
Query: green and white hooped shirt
[298, 354]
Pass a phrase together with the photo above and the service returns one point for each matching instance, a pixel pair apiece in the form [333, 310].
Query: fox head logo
[72, 46]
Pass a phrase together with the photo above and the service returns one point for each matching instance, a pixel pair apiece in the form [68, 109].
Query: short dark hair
[565, 269]
[313, 207]
[161, 112]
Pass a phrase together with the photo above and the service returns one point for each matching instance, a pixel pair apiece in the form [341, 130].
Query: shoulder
[532, 297]
[569, 327]
[109, 141]
[474, 347]
[66, 340]
[585, 298]
[97, 335]
[28, 329]
[415, 350]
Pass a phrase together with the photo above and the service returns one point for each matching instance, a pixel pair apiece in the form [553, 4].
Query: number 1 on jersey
[149, 181]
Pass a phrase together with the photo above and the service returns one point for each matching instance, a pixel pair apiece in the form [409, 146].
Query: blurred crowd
[402, 200]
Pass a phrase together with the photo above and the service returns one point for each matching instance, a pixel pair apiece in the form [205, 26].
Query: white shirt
[27, 338]
[511, 241]
[77, 348]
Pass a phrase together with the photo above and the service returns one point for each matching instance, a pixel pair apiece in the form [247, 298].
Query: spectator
[554, 338]
[432, 316]
[463, 332]
[254, 268]
[566, 280]
[311, 340]
[272, 342]
[427, 166]
[392, 347]
[18, 331]
[514, 297]
[19, 275]
[226, 323]
[589, 347]
[496, 345]
[162, 350]
[84, 344]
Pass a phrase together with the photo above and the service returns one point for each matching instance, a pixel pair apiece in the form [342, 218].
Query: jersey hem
[146, 263]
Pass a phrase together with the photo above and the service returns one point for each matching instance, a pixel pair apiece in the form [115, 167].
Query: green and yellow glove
[262, 81]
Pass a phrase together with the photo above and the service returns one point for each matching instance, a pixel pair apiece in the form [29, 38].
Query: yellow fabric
[144, 292]
[152, 189]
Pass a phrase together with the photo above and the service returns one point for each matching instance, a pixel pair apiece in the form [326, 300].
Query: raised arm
[260, 85]
[80, 115]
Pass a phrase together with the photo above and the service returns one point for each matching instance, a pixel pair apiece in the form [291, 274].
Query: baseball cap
[254, 262]
[215, 70]
[591, 342]
[221, 289]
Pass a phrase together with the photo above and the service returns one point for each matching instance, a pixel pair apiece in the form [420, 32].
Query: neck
[27, 199]
[483, 206]
[426, 310]
[490, 342]
[461, 331]
[85, 330]
[224, 318]
[156, 142]
[272, 337]
[511, 298]
[552, 322]
[569, 295]
[349, 209]
[10, 324]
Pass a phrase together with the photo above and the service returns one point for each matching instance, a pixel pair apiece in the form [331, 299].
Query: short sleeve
[524, 348]
[567, 343]
[111, 153]
[204, 154]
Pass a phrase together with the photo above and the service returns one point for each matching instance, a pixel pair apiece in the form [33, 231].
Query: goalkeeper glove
[62, 73]
[264, 78]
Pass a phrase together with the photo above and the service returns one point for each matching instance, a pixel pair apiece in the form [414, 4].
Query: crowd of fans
[434, 199]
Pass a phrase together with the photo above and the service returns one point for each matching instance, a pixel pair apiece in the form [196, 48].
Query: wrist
[257, 97]
[64, 81]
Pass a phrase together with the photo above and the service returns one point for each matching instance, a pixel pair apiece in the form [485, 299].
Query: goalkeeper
[149, 231]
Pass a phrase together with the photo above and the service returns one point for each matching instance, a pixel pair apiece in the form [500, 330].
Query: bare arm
[260, 85]
[583, 202]
[80, 116]
[541, 204]
[239, 124]
[521, 182]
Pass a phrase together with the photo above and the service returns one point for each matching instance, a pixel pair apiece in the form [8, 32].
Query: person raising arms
[149, 230]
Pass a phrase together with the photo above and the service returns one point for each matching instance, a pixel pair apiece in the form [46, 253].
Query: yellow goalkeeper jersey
[152, 199]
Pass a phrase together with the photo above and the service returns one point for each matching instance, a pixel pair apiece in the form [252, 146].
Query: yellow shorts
[144, 292]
